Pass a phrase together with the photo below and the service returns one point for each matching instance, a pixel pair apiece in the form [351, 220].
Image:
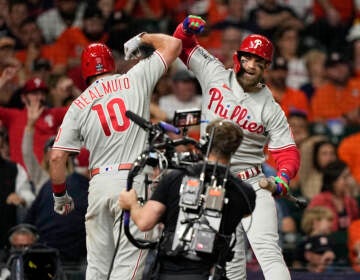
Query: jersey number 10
[115, 110]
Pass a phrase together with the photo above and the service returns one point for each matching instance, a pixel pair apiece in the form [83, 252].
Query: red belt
[121, 166]
[250, 172]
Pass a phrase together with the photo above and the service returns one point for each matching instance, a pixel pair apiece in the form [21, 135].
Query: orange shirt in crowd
[71, 43]
[345, 8]
[349, 152]
[48, 52]
[353, 238]
[331, 102]
[293, 100]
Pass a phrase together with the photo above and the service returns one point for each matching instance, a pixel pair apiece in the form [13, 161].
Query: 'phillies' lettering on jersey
[261, 118]
[101, 89]
[239, 114]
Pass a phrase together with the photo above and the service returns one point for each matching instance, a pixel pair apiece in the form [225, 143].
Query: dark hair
[227, 137]
[316, 150]
[24, 229]
[331, 173]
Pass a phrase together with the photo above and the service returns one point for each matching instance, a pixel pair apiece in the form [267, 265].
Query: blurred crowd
[314, 76]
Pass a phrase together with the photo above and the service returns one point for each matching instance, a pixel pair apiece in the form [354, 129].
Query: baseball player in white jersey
[97, 120]
[239, 95]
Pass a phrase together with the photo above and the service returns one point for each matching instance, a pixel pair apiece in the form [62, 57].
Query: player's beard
[249, 84]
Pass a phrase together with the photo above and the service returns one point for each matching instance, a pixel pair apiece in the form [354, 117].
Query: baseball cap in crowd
[334, 58]
[318, 244]
[183, 75]
[279, 63]
[34, 84]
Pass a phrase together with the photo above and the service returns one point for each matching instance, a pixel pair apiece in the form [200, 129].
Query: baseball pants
[102, 230]
[261, 229]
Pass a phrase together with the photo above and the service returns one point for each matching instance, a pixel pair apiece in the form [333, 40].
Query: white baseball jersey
[260, 117]
[97, 117]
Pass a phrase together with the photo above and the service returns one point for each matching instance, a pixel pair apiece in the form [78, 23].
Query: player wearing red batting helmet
[240, 95]
[256, 45]
[96, 59]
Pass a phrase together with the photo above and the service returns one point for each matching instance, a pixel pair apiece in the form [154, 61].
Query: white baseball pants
[261, 229]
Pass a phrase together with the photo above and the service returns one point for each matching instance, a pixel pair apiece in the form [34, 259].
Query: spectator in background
[319, 253]
[316, 153]
[332, 20]
[336, 102]
[231, 39]
[65, 14]
[350, 153]
[185, 94]
[35, 90]
[269, 15]
[10, 69]
[290, 99]
[314, 60]
[235, 17]
[18, 12]
[65, 233]
[15, 194]
[316, 225]
[34, 49]
[62, 91]
[286, 39]
[335, 196]
[72, 41]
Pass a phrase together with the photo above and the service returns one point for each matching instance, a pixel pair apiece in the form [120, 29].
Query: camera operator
[21, 237]
[164, 207]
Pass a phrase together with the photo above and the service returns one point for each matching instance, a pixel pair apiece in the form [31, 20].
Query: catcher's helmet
[96, 59]
[254, 44]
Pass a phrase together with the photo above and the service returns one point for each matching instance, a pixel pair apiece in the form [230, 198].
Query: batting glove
[63, 204]
[131, 47]
[282, 181]
[193, 24]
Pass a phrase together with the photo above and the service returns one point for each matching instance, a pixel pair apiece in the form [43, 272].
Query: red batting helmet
[254, 44]
[34, 84]
[96, 59]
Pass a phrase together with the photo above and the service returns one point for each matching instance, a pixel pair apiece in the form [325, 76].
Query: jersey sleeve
[147, 72]
[281, 141]
[206, 67]
[68, 136]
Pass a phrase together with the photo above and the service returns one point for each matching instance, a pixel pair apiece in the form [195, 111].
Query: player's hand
[127, 199]
[64, 204]
[282, 181]
[131, 47]
[193, 24]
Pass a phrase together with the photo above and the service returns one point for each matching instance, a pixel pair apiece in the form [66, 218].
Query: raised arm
[168, 46]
